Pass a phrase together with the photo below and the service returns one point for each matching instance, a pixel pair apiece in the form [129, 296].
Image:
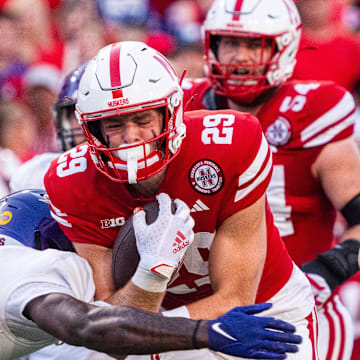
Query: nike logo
[216, 327]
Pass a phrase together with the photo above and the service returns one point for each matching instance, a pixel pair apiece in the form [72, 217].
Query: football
[125, 257]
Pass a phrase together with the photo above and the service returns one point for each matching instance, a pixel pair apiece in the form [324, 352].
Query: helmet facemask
[242, 82]
[68, 130]
[275, 24]
[130, 163]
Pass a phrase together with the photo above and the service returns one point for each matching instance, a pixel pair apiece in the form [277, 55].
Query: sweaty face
[124, 130]
[251, 54]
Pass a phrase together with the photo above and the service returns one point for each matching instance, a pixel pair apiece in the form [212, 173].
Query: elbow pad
[337, 264]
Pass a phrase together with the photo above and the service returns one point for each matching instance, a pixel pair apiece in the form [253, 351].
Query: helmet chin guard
[276, 23]
[125, 78]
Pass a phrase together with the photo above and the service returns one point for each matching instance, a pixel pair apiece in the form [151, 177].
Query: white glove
[162, 244]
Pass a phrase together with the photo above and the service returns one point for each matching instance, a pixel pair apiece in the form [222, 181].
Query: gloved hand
[162, 244]
[240, 333]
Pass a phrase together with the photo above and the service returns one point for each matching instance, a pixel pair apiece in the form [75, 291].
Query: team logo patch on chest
[279, 132]
[206, 177]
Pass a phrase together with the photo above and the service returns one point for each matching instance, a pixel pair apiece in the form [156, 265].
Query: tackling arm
[116, 330]
[124, 330]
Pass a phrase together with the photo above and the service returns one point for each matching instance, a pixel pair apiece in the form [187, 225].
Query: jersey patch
[206, 177]
[279, 132]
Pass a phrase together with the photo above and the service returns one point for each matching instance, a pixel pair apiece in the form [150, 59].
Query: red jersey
[224, 166]
[298, 121]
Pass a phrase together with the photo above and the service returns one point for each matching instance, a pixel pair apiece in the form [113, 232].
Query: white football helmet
[123, 78]
[275, 21]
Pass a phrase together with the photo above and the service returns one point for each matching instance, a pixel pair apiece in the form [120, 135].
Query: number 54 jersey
[298, 121]
[224, 166]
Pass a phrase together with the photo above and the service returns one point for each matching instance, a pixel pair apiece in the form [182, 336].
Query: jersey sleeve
[251, 166]
[69, 189]
[30, 175]
[329, 117]
[30, 273]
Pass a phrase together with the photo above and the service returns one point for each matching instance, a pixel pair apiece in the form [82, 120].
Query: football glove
[162, 244]
[240, 333]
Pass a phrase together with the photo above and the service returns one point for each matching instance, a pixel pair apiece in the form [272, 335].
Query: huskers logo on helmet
[125, 78]
[206, 177]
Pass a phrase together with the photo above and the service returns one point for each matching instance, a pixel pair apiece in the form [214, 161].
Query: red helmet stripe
[115, 78]
[237, 9]
[167, 66]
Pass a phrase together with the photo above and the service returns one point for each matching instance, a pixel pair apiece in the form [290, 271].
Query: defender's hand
[240, 333]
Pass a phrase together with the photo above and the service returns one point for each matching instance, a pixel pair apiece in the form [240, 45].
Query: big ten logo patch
[114, 222]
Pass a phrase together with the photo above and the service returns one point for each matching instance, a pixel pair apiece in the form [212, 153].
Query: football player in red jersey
[141, 143]
[251, 51]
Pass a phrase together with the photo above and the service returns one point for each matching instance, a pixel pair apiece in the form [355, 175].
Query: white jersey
[25, 274]
[9, 163]
[30, 175]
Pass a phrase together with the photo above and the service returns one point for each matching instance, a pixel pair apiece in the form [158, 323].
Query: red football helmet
[276, 23]
[124, 78]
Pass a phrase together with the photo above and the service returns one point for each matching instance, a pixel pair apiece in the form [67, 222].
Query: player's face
[251, 54]
[132, 128]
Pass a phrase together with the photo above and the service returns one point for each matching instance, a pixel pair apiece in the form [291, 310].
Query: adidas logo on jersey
[199, 206]
[180, 242]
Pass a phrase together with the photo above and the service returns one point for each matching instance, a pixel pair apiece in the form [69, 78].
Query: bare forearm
[214, 306]
[114, 330]
[131, 295]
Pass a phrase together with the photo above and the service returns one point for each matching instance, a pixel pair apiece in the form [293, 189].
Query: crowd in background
[43, 40]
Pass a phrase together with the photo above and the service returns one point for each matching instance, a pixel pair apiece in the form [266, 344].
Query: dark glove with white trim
[240, 333]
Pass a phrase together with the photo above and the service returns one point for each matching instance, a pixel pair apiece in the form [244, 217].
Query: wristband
[149, 281]
[181, 311]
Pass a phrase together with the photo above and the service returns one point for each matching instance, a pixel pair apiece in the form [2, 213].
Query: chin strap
[131, 156]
